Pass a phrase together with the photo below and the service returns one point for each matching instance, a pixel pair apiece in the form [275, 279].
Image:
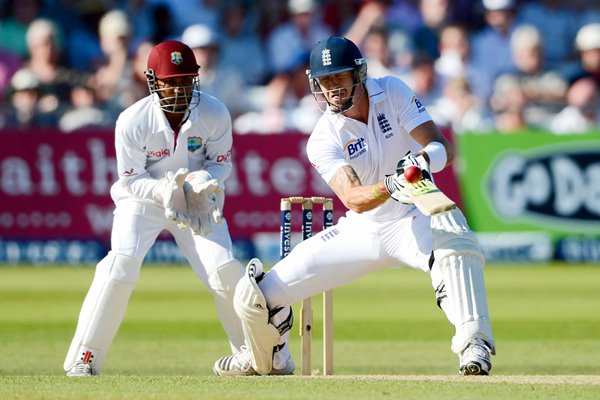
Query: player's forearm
[366, 198]
[355, 196]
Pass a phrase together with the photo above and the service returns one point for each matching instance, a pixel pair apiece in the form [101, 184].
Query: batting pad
[103, 310]
[461, 262]
[261, 336]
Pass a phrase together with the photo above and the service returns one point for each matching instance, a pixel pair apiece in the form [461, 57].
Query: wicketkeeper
[370, 131]
[173, 155]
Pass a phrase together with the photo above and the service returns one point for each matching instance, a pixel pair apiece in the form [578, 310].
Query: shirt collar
[375, 91]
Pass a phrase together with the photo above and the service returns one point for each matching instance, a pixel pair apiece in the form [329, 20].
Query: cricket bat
[428, 198]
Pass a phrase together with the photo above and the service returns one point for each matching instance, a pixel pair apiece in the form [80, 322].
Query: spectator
[378, 15]
[587, 43]
[297, 35]
[372, 14]
[544, 88]
[424, 80]
[137, 87]
[28, 109]
[456, 62]
[113, 76]
[14, 28]
[84, 111]
[436, 14]
[459, 109]
[379, 57]
[508, 103]
[241, 48]
[491, 47]
[83, 50]
[582, 112]
[217, 79]
[163, 23]
[189, 12]
[556, 20]
[339, 15]
[289, 105]
[46, 61]
[139, 14]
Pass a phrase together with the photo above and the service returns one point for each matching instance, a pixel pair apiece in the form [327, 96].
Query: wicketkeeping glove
[169, 192]
[201, 194]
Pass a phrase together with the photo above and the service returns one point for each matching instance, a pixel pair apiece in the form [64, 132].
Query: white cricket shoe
[80, 369]
[475, 359]
[240, 364]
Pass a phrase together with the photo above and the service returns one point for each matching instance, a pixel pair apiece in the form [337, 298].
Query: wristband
[380, 197]
[437, 156]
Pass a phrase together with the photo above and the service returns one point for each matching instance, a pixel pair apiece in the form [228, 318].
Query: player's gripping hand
[396, 187]
[202, 194]
[169, 192]
[419, 161]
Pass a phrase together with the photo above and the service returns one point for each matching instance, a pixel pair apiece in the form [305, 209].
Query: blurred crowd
[478, 65]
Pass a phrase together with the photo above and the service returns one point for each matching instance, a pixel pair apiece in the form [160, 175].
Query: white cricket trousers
[136, 226]
[355, 247]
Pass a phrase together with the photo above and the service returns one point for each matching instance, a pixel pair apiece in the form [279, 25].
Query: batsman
[173, 152]
[370, 131]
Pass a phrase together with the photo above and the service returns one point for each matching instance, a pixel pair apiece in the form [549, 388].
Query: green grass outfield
[391, 341]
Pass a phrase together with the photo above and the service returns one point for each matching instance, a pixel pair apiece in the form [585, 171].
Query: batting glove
[418, 161]
[396, 187]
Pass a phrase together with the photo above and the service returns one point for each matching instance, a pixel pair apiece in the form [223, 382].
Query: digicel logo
[223, 157]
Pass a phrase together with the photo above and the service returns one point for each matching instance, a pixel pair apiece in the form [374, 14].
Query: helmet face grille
[333, 56]
[176, 100]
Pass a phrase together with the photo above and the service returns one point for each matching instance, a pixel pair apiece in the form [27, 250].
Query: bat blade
[428, 198]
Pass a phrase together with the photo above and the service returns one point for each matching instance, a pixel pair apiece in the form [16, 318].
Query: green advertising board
[531, 182]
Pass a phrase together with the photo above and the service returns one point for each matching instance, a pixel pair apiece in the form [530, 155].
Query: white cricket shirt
[374, 149]
[146, 148]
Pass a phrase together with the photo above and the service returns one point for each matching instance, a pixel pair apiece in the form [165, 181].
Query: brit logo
[194, 143]
[384, 125]
[176, 58]
[355, 147]
[326, 56]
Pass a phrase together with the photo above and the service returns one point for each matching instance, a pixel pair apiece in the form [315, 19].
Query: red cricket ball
[412, 174]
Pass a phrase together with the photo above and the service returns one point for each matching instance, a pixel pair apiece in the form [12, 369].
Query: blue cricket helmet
[333, 56]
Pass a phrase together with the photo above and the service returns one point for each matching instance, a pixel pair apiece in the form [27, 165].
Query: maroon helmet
[173, 59]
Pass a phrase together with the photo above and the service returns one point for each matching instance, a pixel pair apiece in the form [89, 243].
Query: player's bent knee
[123, 269]
[225, 278]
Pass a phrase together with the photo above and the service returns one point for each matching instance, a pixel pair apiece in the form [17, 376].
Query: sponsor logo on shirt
[355, 147]
[224, 157]
[194, 143]
[418, 104]
[158, 153]
[129, 172]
